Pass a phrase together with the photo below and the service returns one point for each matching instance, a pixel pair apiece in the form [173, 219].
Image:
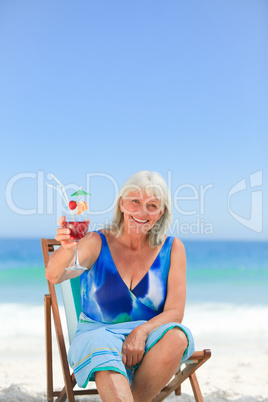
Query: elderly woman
[129, 338]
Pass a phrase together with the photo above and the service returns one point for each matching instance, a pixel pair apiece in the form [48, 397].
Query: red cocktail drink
[77, 225]
[78, 229]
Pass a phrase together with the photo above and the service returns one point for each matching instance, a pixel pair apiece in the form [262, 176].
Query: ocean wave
[226, 318]
[23, 320]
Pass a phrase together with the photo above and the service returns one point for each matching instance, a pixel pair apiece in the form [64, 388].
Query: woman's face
[141, 211]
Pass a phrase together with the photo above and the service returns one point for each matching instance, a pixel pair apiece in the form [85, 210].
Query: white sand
[237, 370]
[228, 375]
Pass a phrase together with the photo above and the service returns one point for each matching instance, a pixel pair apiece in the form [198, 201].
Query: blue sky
[93, 91]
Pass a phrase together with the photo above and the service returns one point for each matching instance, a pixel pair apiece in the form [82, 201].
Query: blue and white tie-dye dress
[110, 311]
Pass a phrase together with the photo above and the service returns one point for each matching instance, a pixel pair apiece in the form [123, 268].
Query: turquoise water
[22, 278]
[217, 271]
[227, 271]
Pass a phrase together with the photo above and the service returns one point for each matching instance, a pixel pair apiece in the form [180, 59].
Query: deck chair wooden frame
[68, 392]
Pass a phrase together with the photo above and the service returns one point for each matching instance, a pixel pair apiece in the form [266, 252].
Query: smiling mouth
[139, 220]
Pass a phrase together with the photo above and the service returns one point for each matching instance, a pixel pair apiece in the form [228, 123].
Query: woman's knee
[175, 342]
[113, 386]
[177, 336]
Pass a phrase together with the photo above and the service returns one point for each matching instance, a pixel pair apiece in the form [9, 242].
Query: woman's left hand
[134, 347]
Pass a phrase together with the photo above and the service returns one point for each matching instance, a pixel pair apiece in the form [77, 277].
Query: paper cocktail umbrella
[78, 193]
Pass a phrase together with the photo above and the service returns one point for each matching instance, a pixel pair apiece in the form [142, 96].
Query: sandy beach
[237, 370]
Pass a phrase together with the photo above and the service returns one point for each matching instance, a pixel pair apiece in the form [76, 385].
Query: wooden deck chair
[71, 298]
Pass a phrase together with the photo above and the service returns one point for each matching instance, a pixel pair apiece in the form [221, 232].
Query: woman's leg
[113, 386]
[159, 365]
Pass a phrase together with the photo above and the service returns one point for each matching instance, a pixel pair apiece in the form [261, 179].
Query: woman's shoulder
[93, 239]
[98, 236]
[90, 247]
[108, 233]
[177, 245]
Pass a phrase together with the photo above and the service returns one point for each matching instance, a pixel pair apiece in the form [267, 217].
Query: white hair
[154, 185]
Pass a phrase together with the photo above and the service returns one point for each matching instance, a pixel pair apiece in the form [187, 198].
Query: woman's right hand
[63, 235]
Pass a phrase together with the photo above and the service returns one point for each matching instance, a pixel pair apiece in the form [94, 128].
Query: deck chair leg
[178, 390]
[63, 395]
[196, 389]
[47, 303]
[61, 345]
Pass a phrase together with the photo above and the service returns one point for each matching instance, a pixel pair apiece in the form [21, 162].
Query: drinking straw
[63, 195]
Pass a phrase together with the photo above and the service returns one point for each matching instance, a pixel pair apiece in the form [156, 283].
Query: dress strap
[103, 237]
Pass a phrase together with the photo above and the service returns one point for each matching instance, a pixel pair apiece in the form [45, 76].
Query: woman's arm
[88, 248]
[134, 345]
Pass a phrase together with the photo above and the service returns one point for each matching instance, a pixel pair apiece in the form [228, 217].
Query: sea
[223, 277]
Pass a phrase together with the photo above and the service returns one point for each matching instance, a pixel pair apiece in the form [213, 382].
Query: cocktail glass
[78, 226]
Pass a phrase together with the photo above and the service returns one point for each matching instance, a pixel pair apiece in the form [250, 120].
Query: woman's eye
[135, 201]
[153, 206]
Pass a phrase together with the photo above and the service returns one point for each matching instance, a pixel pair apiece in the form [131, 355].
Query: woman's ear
[121, 204]
[161, 212]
